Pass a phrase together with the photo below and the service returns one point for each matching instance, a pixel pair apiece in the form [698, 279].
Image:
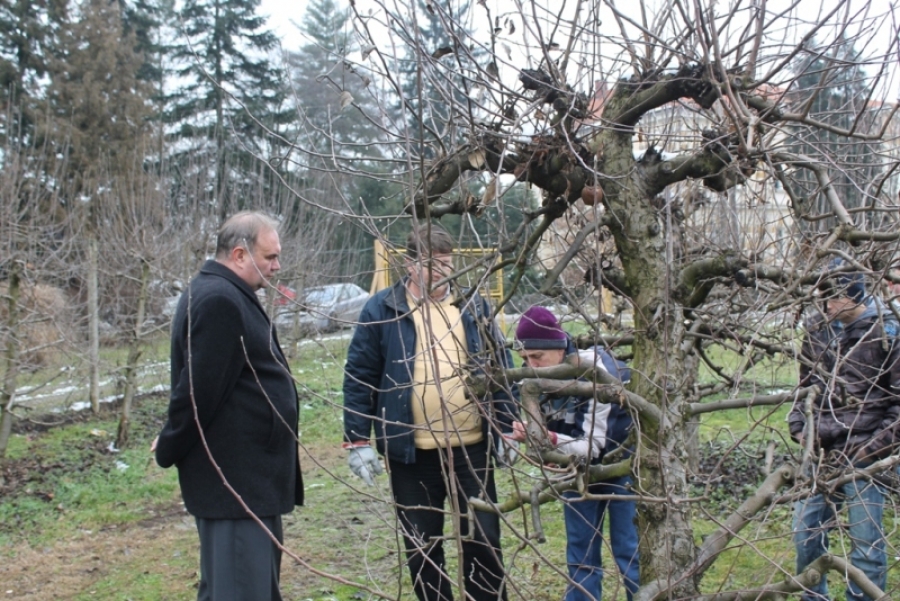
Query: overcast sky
[281, 13]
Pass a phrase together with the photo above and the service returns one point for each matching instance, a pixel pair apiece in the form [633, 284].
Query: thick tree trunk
[10, 355]
[93, 320]
[650, 249]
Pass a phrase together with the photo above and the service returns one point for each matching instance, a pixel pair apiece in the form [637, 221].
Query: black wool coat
[227, 364]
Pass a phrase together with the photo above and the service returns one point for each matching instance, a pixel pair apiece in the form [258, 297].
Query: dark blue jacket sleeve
[615, 367]
[362, 376]
[506, 401]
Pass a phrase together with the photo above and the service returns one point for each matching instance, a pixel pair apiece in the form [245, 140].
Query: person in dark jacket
[405, 376]
[852, 358]
[233, 408]
[589, 429]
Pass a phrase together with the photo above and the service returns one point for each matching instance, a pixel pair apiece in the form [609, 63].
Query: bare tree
[664, 142]
[97, 108]
[36, 322]
[140, 243]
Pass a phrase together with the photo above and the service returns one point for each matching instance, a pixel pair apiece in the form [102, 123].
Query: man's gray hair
[242, 229]
[428, 239]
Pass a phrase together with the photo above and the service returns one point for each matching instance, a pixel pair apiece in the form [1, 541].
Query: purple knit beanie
[538, 329]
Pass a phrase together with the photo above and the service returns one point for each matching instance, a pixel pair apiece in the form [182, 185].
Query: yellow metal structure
[389, 268]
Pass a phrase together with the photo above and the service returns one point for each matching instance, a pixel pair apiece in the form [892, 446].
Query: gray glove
[364, 462]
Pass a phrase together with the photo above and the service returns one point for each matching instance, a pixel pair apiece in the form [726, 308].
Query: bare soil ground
[161, 551]
[78, 567]
[72, 567]
[346, 530]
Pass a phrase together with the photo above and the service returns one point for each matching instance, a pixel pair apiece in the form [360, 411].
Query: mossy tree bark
[650, 248]
[10, 354]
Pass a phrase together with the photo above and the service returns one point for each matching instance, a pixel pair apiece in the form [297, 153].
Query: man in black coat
[230, 378]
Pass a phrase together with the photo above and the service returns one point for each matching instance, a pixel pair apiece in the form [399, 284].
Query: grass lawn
[80, 522]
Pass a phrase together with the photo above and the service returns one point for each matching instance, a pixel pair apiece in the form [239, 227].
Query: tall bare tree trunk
[134, 355]
[10, 356]
[222, 196]
[93, 319]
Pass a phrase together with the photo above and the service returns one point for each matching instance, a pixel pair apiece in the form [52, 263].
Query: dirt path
[160, 553]
[78, 566]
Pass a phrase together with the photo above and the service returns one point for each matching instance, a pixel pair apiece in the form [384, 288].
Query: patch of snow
[343, 335]
[82, 405]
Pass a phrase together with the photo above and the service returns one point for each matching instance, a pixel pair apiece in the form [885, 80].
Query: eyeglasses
[438, 265]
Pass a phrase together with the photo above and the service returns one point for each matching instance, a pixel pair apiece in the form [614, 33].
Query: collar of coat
[214, 268]
[395, 297]
[835, 329]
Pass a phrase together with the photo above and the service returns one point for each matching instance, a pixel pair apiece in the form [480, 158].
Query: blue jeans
[815, 517]
[584, 525]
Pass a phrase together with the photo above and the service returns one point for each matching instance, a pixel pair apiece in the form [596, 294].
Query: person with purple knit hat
[589, 429]
[538, 329]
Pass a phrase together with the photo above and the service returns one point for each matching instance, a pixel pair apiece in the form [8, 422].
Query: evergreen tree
[325, 28]
[98, 110]
[331, 91]
[98, 102]
[232, 96]
[150, 22]
[832, 83]
[27, 38]
[146, 19]
[426, 105]
[338, 135]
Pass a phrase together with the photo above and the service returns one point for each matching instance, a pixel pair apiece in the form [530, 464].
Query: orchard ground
[81, 520]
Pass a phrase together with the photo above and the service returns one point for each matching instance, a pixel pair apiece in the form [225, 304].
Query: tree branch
[713, 164]
[548, 491]
[697, 279]
[445, 172]
[745, 403]
[586, 341]
[716, 542]
[824, 180]
[573, 249]
[639, 98]
[774, 113]
[548, 163]
[604, 387]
